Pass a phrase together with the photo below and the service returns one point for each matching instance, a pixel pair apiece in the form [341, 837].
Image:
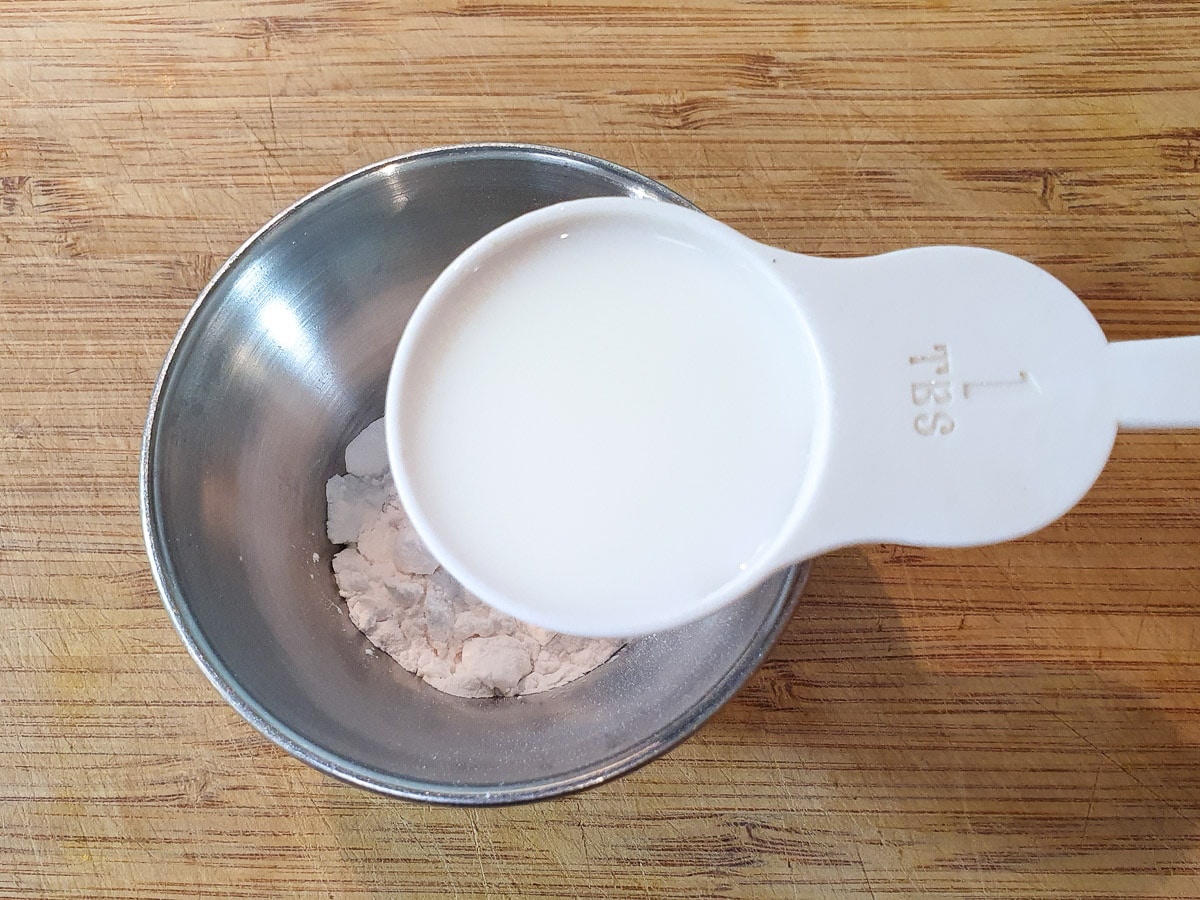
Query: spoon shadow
[935, 745]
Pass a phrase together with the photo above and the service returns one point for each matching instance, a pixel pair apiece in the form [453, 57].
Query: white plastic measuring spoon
[612, 416]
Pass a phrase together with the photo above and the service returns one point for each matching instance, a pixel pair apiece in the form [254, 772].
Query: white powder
[410, 608]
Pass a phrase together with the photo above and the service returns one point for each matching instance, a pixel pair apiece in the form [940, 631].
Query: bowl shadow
[889, 746]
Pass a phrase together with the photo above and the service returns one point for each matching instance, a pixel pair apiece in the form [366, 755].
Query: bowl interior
[283, 360]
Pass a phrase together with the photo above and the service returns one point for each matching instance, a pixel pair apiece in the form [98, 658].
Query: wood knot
[757, 69]
[1180, 149]
[1050, 195]
[685, 114]
[14, 189]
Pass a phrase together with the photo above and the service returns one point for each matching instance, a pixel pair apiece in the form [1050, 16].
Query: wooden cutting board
[1017, 721]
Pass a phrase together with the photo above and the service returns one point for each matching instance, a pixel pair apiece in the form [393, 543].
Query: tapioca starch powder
[411, 609]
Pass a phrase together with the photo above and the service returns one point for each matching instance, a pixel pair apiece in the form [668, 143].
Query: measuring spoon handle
[972, 397]
[1156, 383]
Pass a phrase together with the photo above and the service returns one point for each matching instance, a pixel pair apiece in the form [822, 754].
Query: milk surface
[607, 416]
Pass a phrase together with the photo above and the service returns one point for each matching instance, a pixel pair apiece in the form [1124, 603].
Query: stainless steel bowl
[283, 359]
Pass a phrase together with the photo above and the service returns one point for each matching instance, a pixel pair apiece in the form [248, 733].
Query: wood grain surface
[1016, 721]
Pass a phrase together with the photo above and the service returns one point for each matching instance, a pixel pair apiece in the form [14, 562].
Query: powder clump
[414, 611]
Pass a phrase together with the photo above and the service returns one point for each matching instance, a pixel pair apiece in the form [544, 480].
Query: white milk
[609, 416]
